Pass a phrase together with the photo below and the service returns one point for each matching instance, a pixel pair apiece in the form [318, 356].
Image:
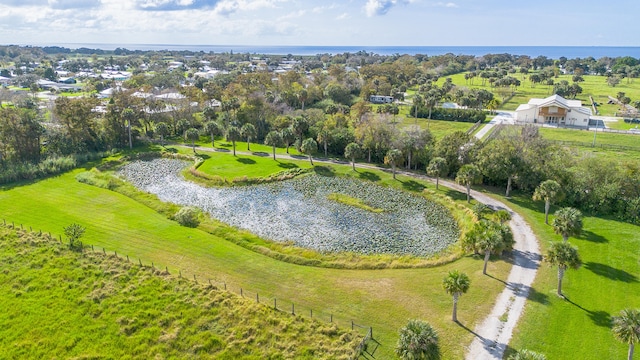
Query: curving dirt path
[493, 334]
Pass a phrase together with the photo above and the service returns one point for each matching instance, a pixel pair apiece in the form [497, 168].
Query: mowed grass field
[382, 299]
[578, 327]
[592, 85]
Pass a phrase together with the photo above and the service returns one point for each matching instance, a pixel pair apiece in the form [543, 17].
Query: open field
[595, 86]
[59, 303]
[383, 299]
[608, 281]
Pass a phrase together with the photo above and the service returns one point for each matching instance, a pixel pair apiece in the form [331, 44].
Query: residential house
[554, 110]
[380, 99]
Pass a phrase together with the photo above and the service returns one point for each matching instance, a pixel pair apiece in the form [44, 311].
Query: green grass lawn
[383, 299]
[439, 128]
[59, 303]
[585, 136]
[217, 163]
[608, 281]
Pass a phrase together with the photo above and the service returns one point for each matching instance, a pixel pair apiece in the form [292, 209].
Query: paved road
[503, 117]
[493, 334]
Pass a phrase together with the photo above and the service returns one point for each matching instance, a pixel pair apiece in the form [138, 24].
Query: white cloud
[293, 15]
[381, 7]
[447, 4]
[343, 16]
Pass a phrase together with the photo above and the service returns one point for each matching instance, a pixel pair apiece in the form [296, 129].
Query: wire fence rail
[365, 349]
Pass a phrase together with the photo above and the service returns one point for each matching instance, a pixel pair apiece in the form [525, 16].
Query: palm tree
[468, 175]
[548, 190]
[393, 158]
[626, 328]
[567, 222]
[288, 136]
[308, 147]
[418, 340]
[233, 133]
[456, 284]
[163, 130]
[437, 168]
[525, 354]
[273, 138]
[488, 237]
[192, 135]
[213, 129]
[324, 136]
[352, 151]
[248, 131]
[565, 256]
[129, 115]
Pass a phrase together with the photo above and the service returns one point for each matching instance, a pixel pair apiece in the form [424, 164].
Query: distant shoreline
[553, 52]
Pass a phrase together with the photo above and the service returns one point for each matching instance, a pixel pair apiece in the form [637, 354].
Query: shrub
[188, 216]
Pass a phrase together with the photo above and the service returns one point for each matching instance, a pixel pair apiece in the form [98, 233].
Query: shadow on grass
[225, 145]
[222, 150]
[454, 194]
[286, 165]
[204, 156]
[492, 347]
[368, 175]
[593, 237]
[599, 317]
[171, 150]
[246, 161]
[412, 185]
[539, 207]
[324, 171]
[260, 153]
[299, 157]
[525, 291]
[610, 272]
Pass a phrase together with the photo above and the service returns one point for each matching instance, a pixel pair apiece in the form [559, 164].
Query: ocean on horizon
[552, 52]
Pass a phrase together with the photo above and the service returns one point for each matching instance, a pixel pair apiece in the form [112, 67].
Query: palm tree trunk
[547, 205]
[454, 315]
[369, 156]
[274, 152]
[248, 145]
[560, 276]
[325, 148]
[565, 238]
[288, 147]
[508, 186]
[394, 171]
[468, 193]
[630, 356]
[234, 147]
[213, 140]
[311, 159]
[353, 163]
[487, 254]
[437, 181]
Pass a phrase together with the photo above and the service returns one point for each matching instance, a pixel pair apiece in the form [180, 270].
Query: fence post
[225, 286]
[166, 268]
[241, 292]
[115, 253]
[104, 251]
[92, 249]
[180, 274]
[258, 298]
[330, 318]
[352, 325]
[371, 332]
[311, 312]
[293, 309]
[153, 267]
[140, 261]
[275, 304]
[194, 278]
[210, 284]
[127, 258]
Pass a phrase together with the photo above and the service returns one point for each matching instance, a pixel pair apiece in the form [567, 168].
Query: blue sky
[326, 23]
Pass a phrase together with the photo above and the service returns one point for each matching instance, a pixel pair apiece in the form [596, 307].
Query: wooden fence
[364, 349]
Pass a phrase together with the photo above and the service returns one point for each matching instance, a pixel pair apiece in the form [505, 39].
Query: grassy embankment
[383, 299]
[59, 303]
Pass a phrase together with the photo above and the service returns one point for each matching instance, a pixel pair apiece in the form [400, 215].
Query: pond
[299, 211]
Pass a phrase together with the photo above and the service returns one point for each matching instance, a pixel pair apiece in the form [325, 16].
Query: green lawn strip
[383, 299]
[63, 304]
[351, 201]
[586, 137]
[608, 281]
[439, 128]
